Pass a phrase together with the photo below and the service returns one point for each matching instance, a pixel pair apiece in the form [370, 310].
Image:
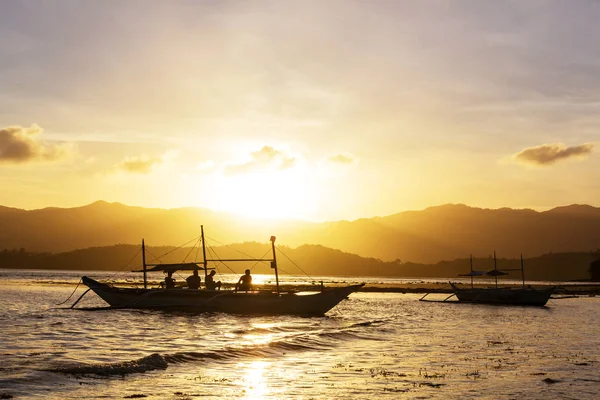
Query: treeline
[312, 260]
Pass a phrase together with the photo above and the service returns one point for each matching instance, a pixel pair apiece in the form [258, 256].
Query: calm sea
[374, 345]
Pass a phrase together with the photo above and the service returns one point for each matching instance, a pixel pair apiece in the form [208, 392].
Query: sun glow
[270, 194]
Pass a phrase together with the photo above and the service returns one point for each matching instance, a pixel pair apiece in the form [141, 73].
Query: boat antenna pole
[144, 264]
[274, 263]
[495, 269]
[471, 258]
[522, 272]
[204, 253]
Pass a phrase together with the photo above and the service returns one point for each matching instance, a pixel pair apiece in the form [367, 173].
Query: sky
[318, 110]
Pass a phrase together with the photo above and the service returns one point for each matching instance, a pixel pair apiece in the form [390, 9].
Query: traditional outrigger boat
[226, 301]
[524, 296]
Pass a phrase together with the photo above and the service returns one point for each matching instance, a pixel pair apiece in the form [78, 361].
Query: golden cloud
[22, 145]
[266, 157]
[342, 158]
[548, 154]
[138, 165]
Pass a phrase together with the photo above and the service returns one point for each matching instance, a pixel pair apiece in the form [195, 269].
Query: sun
[288, 194]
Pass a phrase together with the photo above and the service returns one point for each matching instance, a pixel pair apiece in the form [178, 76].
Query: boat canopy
[190, 266]
[496, 272]
[474, 273]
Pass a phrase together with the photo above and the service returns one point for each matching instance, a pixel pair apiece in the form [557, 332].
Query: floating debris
[550, 380]
[430, 384]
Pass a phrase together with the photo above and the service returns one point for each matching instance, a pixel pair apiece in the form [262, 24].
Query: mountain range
[427, 236]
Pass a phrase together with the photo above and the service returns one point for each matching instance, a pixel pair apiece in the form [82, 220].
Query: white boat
[226, 301]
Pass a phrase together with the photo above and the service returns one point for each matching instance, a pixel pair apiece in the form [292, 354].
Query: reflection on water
[373, 345]
[255, 383]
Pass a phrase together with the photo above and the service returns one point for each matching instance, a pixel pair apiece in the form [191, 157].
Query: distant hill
[451, 231]
[311, 260]
[437, 233]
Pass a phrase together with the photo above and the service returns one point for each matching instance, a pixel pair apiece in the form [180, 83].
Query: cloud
[342, 158]
[22, 145]
[138, 165]
[206, 166]
[548, 154]
[267, 157]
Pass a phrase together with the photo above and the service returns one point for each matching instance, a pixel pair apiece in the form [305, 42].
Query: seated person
[193, 281]
[245, 282]
[169, 281]
[210, 282]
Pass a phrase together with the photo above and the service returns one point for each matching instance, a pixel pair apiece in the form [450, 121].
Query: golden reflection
[261, 337]
[255, 380]
[261, 279]
[258, 339]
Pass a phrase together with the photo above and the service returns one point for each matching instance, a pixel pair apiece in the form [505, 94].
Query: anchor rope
[71, 295]
[108, 279]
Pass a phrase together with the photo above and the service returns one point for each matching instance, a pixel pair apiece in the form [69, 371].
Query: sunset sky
[319, 110]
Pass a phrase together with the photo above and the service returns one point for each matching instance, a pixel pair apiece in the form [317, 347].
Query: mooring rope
[68, 298]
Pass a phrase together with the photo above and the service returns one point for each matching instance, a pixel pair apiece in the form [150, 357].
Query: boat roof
[474, 273]
[191, 266]
[494, 272]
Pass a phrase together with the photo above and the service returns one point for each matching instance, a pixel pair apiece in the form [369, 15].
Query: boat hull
[506, 296]
[264, 303]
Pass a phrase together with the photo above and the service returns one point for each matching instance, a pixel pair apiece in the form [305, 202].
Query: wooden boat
[226, 301]
[508, 296]
[524, 296]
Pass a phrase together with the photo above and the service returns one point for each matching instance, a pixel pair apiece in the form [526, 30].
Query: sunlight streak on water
[255, 382]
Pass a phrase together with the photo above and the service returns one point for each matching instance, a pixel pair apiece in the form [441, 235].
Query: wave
[306, 341]
[251, 330]
[149, 363]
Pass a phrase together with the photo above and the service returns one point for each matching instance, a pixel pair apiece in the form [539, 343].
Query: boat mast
[204, 253]
[274, 263]
[144, 264]
[471, 258]
[495, 269]
[522, 272]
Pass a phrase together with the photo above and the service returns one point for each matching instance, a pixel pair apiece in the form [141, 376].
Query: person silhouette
[169, 281]
[193, 281]
[245, 282]
[210, 282]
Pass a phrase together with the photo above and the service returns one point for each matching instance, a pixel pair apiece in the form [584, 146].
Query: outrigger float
[261, 302]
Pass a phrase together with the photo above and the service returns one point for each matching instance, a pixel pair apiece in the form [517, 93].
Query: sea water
[373, 345]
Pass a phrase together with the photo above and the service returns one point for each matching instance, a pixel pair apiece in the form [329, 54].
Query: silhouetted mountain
[427, 236]
[306, 260]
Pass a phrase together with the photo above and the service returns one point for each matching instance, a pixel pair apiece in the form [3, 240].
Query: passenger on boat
[169, 281]
[193, 281]
[210, 282]
[245, 282]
